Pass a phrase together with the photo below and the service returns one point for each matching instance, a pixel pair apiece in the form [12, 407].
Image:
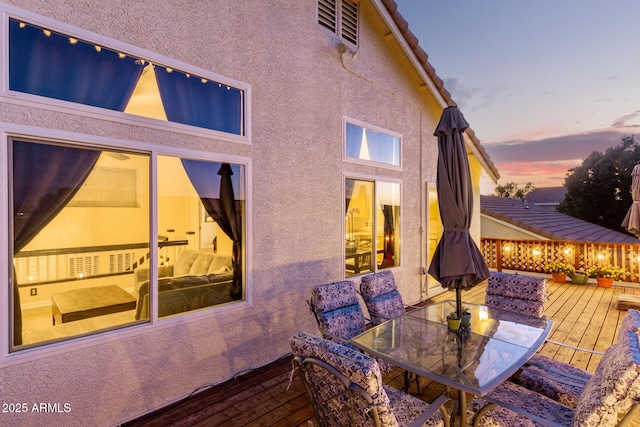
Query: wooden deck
[583, 316]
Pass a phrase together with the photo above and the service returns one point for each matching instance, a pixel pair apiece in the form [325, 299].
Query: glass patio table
[473, 360]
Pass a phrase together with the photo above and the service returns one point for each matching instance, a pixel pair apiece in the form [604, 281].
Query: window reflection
[78, 234]
[370, 145]
[372, 226]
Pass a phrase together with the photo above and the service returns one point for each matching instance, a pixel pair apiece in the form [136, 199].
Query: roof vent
[342, 20]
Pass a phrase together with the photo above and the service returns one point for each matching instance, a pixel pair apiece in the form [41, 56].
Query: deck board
[583, 315]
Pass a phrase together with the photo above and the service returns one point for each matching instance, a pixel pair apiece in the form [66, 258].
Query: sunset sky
[543, 84]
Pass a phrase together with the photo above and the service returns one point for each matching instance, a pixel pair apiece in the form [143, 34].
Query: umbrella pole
[459, 302]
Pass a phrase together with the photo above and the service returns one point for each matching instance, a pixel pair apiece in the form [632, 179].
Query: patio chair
[521, 294]
[346, 389]
[337, 311]
[610, 397]
[561, 381]
[339, 316]
[381, 296]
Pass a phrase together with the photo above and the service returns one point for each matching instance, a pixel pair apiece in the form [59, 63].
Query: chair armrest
[574, 347]
[443, 404]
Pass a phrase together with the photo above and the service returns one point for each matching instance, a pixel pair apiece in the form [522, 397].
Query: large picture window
[80, 252]
[372, 225]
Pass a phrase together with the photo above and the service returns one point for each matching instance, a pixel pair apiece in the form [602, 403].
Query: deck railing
[533, 255]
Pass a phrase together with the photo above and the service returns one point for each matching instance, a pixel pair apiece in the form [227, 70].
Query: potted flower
[605, 274]
[466, 318]
[579, 278]
[453, 322]
[559, 271]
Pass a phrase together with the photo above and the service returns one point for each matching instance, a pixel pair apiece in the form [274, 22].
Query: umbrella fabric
[457, 262]
[632, 219]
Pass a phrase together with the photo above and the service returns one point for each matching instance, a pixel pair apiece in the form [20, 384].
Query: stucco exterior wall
[301, 90]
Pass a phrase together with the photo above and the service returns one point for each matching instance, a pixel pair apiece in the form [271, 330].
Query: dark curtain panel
[187, 100]
[51, 66]
[391, 214]
[349, 185]
[217, 195]
[45, 179]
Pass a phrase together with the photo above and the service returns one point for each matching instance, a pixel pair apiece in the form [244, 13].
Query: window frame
[374, 179]
[27, 353]
[25, 99]
[348, 120]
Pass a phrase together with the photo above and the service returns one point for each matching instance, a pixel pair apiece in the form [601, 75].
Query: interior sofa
[197, 279]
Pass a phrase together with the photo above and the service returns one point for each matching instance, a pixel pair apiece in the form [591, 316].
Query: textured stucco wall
[300, 93]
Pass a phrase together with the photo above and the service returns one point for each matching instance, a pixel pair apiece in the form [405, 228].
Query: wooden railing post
[499, 254]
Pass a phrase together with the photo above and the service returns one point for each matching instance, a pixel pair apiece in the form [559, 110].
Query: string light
[122, 55]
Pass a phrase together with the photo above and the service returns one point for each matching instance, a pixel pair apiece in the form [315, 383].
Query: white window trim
[374, 128]
[374, 179]
[9, 130]
[19, 98]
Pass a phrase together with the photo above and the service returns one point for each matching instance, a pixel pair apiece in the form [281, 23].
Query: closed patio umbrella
[632, 219]
[457, 262]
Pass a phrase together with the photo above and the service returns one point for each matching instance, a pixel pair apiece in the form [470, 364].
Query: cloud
[567, 147]
[628, 120]
[545, 162]
[474, 98]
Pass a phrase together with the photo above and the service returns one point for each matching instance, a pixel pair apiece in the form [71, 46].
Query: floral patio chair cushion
[394, 407]
[381, 296]
[512, 292]
[337, 310]
[520, 397]
[557, 380]
[621, 373]
[631, 322]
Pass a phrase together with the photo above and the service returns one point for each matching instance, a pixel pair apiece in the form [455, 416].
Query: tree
[599, 190]
[510, 189]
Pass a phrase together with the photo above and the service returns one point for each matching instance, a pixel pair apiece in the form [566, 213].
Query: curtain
[391, 224]
[45, 179]
[192, 101]
[218, 197]
[382, 148]
[349, 185]
[52, 66]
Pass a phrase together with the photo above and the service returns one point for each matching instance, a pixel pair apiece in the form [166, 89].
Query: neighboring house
[547, 197]
[508, 218]
[215, 160]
